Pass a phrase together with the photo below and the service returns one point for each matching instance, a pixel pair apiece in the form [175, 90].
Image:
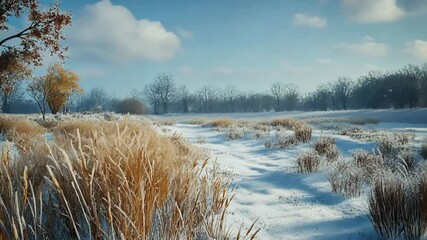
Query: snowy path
[287, 205]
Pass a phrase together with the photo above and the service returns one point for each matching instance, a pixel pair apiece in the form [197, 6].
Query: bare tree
[291, 97]
[206, 97]
[38, 91]
[278, 91]
[184, 96]
[341, 90]
[152, 96]
[285, 96]
[166, 89]
[231, 93]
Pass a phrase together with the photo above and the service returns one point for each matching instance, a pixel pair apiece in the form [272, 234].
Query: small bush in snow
[233, 134]
[308, 162]
[403, 138]
[388, 147]
[363, 158]
[399, 207]
[414, 210]
[332, 154]
[369, 163]
[303, 133]
[284, 122]
[323, 145]
[384, 203]
[345, 179]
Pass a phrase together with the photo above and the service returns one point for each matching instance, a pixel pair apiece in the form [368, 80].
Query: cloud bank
[112, 32]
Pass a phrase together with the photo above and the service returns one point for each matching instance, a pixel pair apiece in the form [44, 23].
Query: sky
[122, 45]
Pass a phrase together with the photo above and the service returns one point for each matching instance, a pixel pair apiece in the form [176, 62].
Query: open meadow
[291, 175]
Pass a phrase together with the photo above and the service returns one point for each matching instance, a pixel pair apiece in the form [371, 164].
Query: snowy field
[285, 204]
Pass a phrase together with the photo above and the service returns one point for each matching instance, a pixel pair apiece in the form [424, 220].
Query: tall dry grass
[308, 162]
[221, 123]
[398, 207]
[106, 180]
[345, 179]
[22, 132]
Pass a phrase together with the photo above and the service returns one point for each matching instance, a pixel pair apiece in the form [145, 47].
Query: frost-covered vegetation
[98, 179]
[357, 164]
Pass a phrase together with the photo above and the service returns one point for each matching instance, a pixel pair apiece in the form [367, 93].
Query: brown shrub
[384, 204]
[308, 162]
[284, 122]
[303, 133]
[233, 134]
[332, 154]
[397, 207]
[323, 145]
[131, 106]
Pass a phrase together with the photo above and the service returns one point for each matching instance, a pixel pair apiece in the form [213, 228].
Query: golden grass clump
[324, 144]
[303, 132]
[284, 122]
[222, 123]
[21, 131]
[105, 180]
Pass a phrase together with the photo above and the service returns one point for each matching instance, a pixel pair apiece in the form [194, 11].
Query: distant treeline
[404, 88]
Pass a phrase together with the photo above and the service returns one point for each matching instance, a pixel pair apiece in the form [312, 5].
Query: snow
[416, 115]
[284, 204]
[287, 205]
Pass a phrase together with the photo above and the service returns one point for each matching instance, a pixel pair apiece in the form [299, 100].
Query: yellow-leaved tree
[55, 88]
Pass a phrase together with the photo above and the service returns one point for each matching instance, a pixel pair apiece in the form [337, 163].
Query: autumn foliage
[55, 88]
[43, 30]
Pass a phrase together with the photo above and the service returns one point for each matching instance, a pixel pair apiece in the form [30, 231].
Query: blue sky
[122, 45]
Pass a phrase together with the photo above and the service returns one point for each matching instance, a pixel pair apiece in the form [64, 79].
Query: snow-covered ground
[417, 115]
[285, 204]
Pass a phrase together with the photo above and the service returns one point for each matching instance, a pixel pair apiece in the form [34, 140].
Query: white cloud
[418, 49]
[368, 47]
[373, 11]
[185, 34]
[184, 70]
[309, 21]
[112, 32]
